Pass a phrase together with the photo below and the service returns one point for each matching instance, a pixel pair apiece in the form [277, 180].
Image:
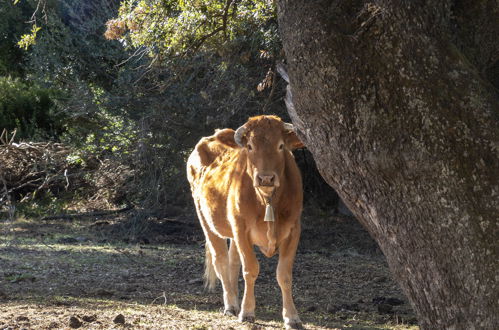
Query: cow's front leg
[234, 268]
[251, 269]
[287, 252]
[220, 260]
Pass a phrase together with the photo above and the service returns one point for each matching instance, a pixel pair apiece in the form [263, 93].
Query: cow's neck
[270, 203]
[266, 200]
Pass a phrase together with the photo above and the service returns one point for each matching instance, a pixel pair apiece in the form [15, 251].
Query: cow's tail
[210, 277]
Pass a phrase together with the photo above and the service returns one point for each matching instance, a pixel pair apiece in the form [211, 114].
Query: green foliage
[149, 111]
[171, 28]
[12, 26]
[71, 53]
[29, 39]
[29, 109]
[23, 105]
[45, 203]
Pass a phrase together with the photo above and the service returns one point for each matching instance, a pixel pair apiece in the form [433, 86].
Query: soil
[117, 272]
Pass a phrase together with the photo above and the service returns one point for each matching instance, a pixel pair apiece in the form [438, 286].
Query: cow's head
[267, 140]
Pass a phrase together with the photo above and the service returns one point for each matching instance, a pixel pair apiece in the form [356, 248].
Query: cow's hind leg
[220, 260]
[287, 252]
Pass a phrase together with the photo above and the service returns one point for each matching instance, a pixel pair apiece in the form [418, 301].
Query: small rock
[89, 318]
[74, 322]
[53, 325]
[119, 319]
[385, 309]
[311, 309]
[22, 318]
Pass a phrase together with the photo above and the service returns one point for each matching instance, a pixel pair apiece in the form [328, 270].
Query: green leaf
[29, 39]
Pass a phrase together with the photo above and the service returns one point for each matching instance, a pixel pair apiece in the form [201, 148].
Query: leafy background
[134, 85]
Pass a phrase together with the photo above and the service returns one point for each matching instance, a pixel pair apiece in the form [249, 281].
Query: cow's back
[211, 151]
[210, 168]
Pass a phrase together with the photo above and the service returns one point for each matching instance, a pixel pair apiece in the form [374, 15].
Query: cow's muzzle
[266, 180]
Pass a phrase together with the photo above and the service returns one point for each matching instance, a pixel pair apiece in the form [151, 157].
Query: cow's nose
[266, 179]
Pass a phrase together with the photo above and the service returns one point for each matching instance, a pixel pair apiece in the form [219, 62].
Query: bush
[29, 109]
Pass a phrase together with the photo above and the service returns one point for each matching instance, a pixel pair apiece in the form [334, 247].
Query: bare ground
[113, 273]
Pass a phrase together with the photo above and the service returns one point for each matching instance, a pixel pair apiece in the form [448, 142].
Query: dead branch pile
[111, 183]
[28, 168]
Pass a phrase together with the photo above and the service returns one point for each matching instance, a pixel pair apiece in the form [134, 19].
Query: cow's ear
[226, 136]
[293, 141]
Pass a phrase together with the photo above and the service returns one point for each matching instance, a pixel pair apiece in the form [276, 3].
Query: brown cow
[247, 188]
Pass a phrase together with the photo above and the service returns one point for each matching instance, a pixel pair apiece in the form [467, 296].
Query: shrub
[29, 109]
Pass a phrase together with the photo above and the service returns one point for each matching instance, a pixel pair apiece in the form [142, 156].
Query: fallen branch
[69, 216]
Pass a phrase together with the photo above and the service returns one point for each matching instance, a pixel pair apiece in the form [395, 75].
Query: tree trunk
[395, 100]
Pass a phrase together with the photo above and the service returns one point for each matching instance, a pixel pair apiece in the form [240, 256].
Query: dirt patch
[100, 274]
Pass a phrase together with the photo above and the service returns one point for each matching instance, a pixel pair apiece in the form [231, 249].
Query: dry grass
[53, 271]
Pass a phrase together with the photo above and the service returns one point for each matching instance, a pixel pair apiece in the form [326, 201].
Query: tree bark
[395, 100]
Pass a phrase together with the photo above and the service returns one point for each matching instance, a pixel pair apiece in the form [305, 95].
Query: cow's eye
[281, 146]
[250, 147]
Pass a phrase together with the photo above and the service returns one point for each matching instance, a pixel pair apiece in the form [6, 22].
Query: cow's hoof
[230, 311]
[247, 318]
[294, 325]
